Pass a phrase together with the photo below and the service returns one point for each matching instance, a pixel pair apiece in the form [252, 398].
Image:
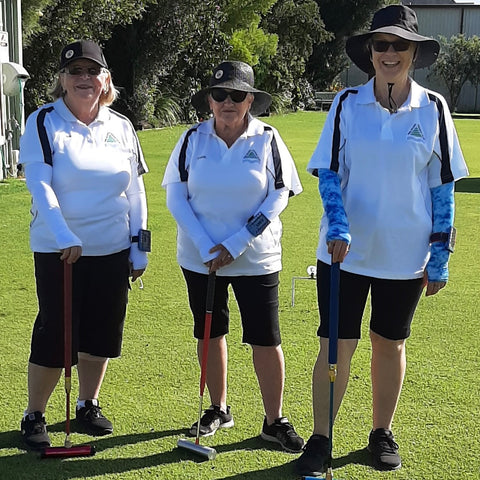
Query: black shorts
[99, 302]
[393, 304]
[257, 299]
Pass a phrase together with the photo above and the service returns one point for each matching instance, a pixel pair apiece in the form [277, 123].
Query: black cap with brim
[395, 20]
[233, 75]
[82, 49]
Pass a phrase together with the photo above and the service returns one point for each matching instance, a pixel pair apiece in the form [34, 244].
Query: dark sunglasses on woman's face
[383, 46]
[220, 95]
[76, 71]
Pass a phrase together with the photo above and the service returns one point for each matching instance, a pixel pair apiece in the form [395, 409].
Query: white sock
[81, 403]
[27, 413]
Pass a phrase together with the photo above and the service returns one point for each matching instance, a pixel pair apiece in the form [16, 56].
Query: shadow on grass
[468, 185]
[56, 468]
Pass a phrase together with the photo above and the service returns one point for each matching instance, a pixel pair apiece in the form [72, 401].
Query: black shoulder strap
[42, 135]
[277, 162]
[334, 163]
[446, 171]
[183, 153]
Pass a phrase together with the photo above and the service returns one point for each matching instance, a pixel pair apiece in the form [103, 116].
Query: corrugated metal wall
[434, 21]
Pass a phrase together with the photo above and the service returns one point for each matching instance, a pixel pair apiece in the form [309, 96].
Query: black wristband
[257, 224]
[144, 240]
[446, 237]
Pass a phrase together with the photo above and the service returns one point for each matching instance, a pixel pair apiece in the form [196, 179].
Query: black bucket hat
[397, 20]
[235, 76]
[82, 49]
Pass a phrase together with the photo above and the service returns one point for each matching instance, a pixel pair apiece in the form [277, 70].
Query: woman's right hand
[338, 249]
[221, 260]
[71, 254]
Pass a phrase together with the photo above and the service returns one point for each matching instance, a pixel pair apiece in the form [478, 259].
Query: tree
[298, 26]
[164, 57]
[328, 58]
[457, 63]
[51, 24]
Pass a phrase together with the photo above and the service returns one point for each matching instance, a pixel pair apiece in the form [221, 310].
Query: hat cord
[391, 102]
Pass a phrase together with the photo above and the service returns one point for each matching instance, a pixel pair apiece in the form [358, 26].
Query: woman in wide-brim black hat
[398, 21]
[233, 75]
[386, 161]
[228, 180]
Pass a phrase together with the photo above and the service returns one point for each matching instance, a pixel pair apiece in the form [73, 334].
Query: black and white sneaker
[91, 419]
[34, 431]
[281, 431]
[384, 450]
[312, 462]
[212, 419]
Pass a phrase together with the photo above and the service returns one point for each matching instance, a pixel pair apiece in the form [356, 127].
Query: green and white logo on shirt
[110, 138]
[251, 156]
[415, 132]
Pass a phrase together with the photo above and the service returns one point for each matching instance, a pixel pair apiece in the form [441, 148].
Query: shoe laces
[386, 442]
[94, 411]
[316, 444]
[210, 415]
[286, 428]
[38, 427]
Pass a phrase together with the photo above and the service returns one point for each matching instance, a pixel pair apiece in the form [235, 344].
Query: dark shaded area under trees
[161, 51]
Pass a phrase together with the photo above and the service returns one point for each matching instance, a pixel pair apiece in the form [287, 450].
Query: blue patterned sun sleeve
[443, 207]
[331, 193]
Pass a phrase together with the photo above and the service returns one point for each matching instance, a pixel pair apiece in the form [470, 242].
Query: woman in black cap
[227, 181]
[386, 161]
[83, 167]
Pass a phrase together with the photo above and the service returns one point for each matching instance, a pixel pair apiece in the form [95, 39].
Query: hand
[221, 260]
[137, 273]
[434, 287]
[71, 254]
[338, 249]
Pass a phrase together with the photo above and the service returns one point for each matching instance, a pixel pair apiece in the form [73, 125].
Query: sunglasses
[78, 71]
[220, 95]
[383, 46]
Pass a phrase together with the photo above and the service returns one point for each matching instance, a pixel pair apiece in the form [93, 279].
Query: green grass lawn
[151, 393]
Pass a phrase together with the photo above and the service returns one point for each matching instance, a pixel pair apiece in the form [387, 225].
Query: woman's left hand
[432, 287]
[221, 260]
[137, 273]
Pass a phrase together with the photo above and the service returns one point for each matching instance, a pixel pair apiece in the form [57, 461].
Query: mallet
[68, 450]
[332, 360]
[208, 452]
[332, 355]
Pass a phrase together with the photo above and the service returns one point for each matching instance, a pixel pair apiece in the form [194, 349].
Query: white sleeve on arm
[38, 178]
[275, 202]
[180, 208]
[138, 219]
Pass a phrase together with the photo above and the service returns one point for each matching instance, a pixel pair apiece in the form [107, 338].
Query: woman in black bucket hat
[227, 181]
[386, 161]
[233, 75]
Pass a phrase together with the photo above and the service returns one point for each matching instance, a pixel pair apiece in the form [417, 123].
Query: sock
[81, 403]
[27, 413]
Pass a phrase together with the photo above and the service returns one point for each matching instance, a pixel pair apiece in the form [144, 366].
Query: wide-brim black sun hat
[233, 75]
[397, 20]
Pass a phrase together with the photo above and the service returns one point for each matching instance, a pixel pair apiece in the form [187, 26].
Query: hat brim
[357, 49]
[261, 101]
[86, 57]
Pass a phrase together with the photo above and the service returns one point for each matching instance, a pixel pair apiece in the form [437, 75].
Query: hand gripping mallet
[332, 359]
[208, 452]
[68, 450]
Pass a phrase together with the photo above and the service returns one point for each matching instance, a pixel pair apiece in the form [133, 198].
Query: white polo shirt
[85, 181]
[387, 165]
[226, 186]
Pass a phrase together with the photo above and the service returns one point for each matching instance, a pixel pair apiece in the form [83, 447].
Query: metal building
[439, 18]
[13, 77]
